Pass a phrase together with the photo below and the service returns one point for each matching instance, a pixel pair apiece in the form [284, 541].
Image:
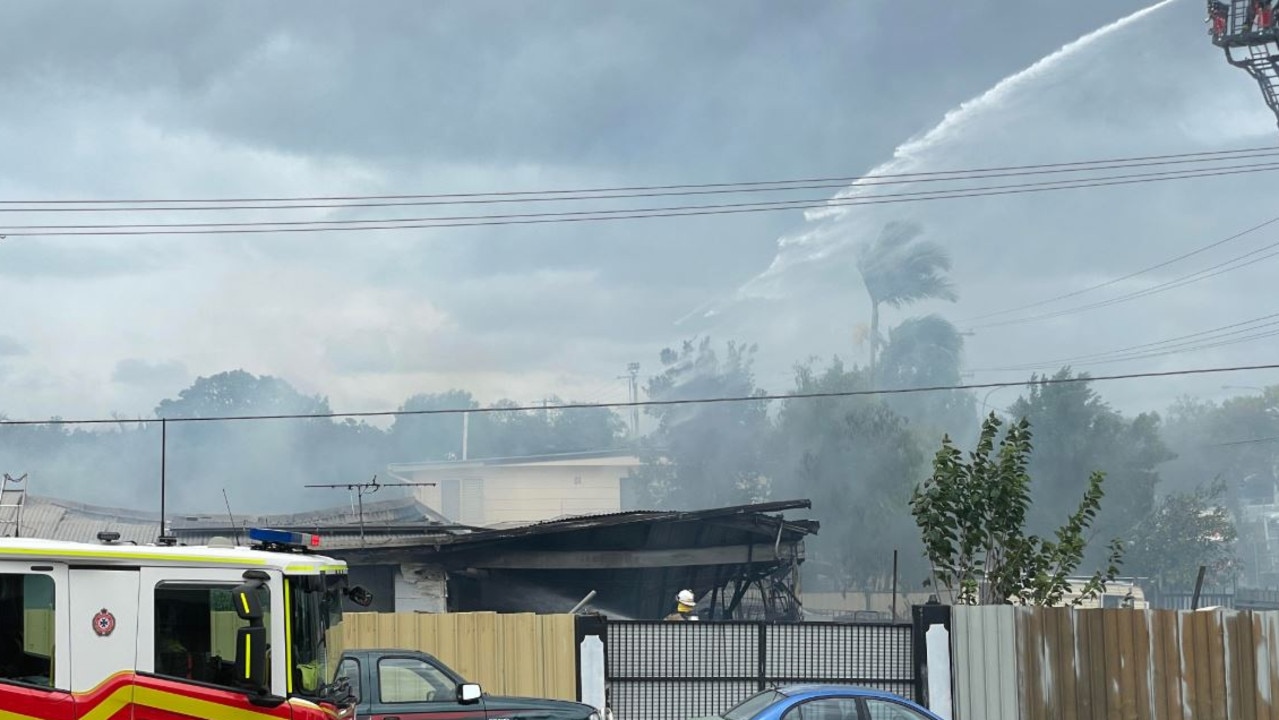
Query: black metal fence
[673, 671]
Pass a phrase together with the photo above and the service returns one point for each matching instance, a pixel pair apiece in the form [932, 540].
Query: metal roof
[58, 519]
[750, 516]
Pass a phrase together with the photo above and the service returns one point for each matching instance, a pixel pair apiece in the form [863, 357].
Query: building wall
[487, 495]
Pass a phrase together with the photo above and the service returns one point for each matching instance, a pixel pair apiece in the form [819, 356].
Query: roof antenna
[234, 528]
[361, 489]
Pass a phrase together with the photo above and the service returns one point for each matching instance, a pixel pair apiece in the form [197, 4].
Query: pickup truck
[411, 685]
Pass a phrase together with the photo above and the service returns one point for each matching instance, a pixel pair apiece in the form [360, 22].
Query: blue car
[827, 702]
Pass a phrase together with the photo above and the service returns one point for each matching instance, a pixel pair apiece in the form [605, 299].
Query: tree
[1080, 432]
[704, 455]
[857, 461]
[898, 270]
[972, 516]
[499, 431]
[240, 393]
[1234, 442]
[1187, 530]
[264, 465]
[926, 352]
[431, 435]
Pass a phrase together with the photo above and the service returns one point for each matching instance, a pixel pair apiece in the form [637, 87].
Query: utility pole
[466, 430]
[632, 378]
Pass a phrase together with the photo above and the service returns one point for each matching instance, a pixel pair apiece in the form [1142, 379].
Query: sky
[176, 99]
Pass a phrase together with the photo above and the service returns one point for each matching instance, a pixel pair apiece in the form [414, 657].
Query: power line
[1129, 276]
[1249, 441]
[1188, 279]
[262, 227]
[1157, 348]
[654, 190]
[659, 403]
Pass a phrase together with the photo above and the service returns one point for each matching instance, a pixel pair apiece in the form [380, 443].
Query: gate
[674, 670]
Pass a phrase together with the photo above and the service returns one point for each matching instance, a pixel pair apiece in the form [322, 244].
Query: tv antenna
[367, 488]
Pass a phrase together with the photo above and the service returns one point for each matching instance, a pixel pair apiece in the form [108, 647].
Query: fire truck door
[187, 648]
[33, 641]
[104, 637]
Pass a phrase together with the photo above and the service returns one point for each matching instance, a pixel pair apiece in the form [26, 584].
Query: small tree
[972, 515]
[1186, 531]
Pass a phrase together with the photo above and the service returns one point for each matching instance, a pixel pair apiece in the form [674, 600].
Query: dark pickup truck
[411, 685]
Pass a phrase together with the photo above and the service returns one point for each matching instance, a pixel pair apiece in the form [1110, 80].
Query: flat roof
[548, 459]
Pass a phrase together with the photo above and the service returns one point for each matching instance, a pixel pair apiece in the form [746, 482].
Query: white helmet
[685, 597]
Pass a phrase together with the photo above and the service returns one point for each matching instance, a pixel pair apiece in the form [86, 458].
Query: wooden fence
[508, 654]
[1068, 664]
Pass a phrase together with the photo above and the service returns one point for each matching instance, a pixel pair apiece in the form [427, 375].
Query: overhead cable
[656, 403]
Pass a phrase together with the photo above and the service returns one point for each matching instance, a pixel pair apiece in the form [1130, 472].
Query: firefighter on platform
[1218, 15]
[684, 603]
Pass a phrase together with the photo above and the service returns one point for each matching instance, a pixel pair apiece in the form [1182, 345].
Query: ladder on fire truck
[13, 496]
[1248, 32]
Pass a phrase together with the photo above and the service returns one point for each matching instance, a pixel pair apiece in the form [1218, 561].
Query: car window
[827, 708]
[751, 706]
[888, 710]
[350, 669]
[411, 680]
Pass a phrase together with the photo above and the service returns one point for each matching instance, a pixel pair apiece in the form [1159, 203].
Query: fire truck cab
[116, 631]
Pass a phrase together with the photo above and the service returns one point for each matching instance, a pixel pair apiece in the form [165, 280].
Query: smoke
[914, 155]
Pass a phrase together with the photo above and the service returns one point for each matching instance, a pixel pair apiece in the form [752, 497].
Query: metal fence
[671, 671]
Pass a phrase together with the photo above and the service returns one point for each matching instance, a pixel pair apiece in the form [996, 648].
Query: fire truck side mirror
[360, 596]
[250, 658]
[247, 603]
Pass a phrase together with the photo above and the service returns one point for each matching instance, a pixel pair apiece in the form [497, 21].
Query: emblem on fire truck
[103, 623]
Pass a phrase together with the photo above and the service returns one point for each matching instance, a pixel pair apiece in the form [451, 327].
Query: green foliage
[704, 455]
[264, 465]
[898, 269]
[1187, 530]
[926, 352]
[1079, 432]
[972, 516]
[498, 434]
[857, 461]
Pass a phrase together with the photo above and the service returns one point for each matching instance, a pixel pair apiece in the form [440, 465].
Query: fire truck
[114, 631]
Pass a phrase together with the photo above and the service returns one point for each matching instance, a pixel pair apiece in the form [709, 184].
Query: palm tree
[898, 269]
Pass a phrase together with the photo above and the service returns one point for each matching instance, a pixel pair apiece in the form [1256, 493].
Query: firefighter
[1218, 12]
[684, 603]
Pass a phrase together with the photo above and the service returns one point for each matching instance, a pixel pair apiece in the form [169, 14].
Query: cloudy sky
[170, 99]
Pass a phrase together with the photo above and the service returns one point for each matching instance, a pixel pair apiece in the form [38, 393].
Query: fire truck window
[195, 627]
[26, 629]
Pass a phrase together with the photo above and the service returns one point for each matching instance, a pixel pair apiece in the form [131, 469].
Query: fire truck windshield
[315, 623]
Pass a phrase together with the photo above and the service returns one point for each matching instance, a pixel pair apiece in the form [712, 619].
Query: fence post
[591, 635]
[762, 628]
[922, 618]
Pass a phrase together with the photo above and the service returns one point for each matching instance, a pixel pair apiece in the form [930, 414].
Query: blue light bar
[284, 537]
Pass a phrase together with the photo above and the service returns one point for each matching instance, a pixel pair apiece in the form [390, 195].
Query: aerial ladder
[13, 495]
[1248, 33]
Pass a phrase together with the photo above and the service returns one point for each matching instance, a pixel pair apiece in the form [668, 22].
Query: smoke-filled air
[863, 229]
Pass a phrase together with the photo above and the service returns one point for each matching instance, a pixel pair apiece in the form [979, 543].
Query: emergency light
[284, 538]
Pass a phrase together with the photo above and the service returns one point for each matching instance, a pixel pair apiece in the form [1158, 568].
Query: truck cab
[408, 685]
[164, 631]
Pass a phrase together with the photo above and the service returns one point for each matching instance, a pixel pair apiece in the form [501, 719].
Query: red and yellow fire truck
[115, 631]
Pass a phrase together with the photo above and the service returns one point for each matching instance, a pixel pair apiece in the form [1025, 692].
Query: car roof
[814, 690]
